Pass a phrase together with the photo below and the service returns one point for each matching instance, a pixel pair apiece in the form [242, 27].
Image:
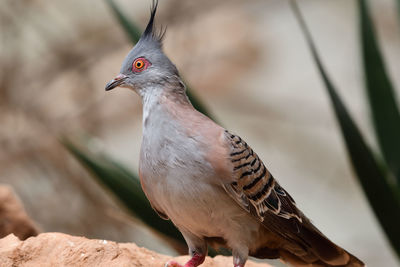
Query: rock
[56, 249]
[13, 218]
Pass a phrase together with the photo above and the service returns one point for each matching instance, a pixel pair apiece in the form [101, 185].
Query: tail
[319, 250]
[302, 244]
[312, 261]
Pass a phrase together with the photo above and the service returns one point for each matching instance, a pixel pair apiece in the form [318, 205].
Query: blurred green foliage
[131, 30]
[382, 101]
[374, 174]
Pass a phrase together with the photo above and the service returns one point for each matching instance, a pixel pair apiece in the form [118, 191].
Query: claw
[172, 264]
[195, 261]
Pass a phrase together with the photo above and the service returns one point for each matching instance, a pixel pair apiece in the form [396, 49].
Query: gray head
[146, 66]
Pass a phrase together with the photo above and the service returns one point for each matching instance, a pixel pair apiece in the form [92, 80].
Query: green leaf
[130, 28]
[134, 34]
[383, 197]
[126, 187]
[382, 100]
[398, 9]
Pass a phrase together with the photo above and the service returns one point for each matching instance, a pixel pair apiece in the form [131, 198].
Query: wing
[254, 187]
[256, 190]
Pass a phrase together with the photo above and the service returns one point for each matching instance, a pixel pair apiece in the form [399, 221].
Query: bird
[208, 181]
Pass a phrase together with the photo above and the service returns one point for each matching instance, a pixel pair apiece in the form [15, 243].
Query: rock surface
[13, 218]
[56, 249]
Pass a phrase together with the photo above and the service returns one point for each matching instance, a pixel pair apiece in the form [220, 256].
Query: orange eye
[140, 64]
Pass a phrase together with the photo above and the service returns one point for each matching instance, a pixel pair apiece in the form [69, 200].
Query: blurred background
[247, 61]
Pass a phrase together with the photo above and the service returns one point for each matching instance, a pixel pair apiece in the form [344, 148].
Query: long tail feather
[326, 252]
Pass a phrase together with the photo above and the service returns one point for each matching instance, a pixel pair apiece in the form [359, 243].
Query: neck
[156, 97]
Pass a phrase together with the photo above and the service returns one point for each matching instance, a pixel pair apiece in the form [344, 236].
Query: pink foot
[195, 261]
[173, 264]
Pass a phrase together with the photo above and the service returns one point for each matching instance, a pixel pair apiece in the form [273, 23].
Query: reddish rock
[56, 249]
[13, 218]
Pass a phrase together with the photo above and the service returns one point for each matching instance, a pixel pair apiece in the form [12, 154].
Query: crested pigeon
[208, 181]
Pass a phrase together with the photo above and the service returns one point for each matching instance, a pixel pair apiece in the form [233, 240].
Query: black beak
[117, 81]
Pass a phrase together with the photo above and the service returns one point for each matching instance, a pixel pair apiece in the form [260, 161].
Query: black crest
[151, 31]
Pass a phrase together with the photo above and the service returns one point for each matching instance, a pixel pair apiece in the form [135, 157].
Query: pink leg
[195, 261]
[240, 255]
[197, 249]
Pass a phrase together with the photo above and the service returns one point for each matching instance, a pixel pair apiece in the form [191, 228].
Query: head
[146, 66]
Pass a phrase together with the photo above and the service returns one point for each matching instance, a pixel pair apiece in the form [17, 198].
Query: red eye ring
[140, 64]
